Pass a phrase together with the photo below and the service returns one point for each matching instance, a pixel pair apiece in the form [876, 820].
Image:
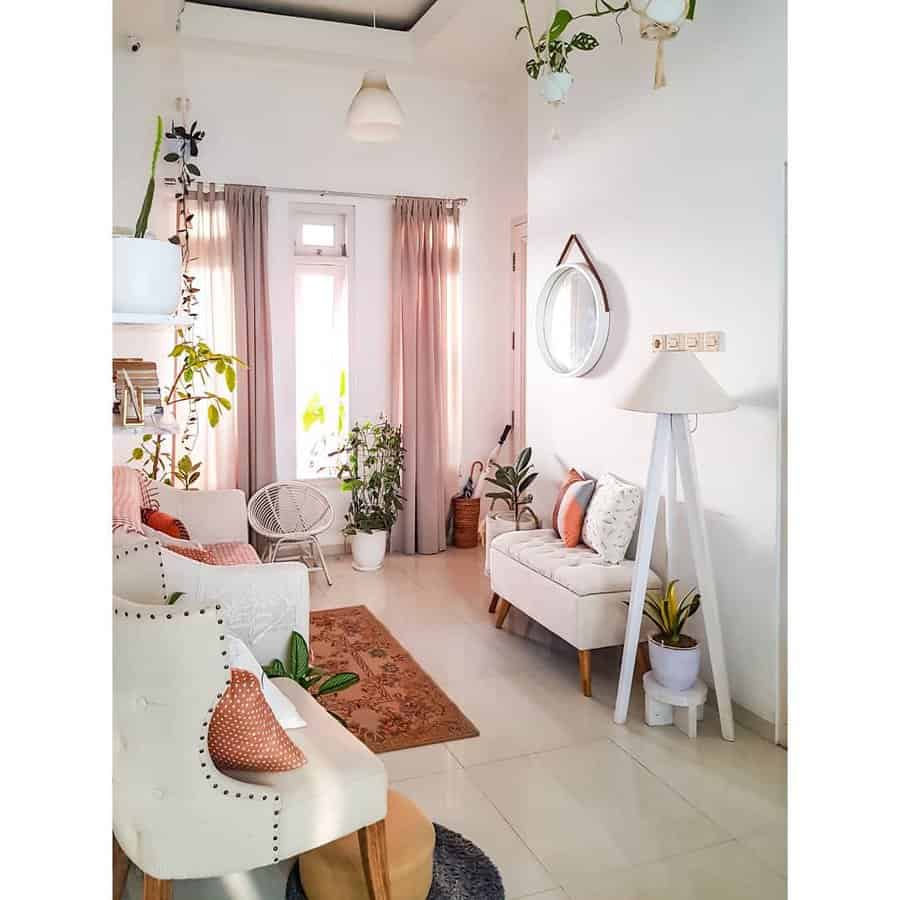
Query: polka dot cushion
[244, 733]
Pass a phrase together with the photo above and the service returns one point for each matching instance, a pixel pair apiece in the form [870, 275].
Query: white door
[517, 342]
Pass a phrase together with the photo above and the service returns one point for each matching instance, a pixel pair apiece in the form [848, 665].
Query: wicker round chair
[292, 513]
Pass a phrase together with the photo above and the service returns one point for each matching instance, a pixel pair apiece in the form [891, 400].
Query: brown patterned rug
[395, 705]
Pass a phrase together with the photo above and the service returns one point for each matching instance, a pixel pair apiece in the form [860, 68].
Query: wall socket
[690, 341]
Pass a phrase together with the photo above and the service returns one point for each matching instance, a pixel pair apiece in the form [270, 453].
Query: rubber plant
[514, 482]
[316, 681]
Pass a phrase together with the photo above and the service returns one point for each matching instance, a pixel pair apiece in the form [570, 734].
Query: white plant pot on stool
[368, 550]
[146, 276]
[676, 668]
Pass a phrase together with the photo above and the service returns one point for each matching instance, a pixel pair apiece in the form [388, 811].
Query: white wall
[678, 194]
[276, 120]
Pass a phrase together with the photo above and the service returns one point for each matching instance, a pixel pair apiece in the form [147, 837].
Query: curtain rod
[462, 201]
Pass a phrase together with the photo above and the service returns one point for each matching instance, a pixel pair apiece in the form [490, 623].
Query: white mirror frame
[601, 311]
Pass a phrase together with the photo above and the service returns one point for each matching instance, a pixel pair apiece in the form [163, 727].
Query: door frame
[519, 331]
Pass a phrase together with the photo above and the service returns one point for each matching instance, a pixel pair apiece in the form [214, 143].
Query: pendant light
[375, 115]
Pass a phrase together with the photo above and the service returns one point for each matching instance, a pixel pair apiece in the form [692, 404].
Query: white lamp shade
[375, 115]
[677, 382]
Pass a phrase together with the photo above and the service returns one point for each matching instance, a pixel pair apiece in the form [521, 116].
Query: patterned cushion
[149, 492]
[611, 518]
[244, 733]
[198, 554]
[233, 553]
[160, 521]
[127, 495]
[573, 476]
[572, 510]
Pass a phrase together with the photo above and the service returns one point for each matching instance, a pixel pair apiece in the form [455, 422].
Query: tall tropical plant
[514, 482]
[140, 228]
[370, 470]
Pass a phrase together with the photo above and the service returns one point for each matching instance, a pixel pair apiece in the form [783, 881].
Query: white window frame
[321, 214]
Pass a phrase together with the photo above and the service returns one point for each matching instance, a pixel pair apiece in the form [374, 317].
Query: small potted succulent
[674, 657]
[146, 272]
[370, 471]
[514, 482]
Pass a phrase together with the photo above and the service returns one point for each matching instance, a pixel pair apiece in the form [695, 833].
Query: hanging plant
[549, 66]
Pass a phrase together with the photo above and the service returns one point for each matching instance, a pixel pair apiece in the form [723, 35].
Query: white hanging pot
[554, 86]
[146, 276]
[676, 668]
[660, 21]
[368, 550]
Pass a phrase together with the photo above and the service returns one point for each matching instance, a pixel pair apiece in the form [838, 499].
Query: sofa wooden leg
[373, 849]
[154, 889]
[584, 664]
[502, 612]
[642, 663]
[121, 864]
[494, 598]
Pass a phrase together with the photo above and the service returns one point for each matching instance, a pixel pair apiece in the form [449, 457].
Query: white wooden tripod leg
[684, 450]
[661, 440]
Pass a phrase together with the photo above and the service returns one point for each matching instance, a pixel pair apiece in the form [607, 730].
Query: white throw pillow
[240, 657]
[611, 518]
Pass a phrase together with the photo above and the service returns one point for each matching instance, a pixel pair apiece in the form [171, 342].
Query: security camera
[134, 43]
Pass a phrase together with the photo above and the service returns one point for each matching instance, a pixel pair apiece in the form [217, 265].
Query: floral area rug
[395, 705]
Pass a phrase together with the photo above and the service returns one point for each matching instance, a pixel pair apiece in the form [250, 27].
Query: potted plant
[674, 657]
[370, 471]
[146, 272]
[514, 482]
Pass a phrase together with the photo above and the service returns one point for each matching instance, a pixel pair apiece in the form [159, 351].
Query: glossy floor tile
[569, 805]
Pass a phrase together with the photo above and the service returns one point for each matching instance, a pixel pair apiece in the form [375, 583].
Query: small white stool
[663, 706]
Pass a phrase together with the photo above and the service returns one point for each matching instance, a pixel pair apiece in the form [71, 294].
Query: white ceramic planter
[554, 86]
[674, 667]
[146, 276]
[368, 550]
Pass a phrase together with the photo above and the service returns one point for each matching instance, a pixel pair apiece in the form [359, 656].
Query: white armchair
[175, 815]
[211, 517]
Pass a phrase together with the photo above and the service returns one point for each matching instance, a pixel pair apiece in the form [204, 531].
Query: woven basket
[466, 513]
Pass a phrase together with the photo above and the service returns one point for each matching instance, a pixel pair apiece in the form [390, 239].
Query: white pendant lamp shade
[677, 382]
[666, 12]
[375, 115]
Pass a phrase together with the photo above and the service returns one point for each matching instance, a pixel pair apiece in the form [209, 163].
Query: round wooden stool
[335, 870]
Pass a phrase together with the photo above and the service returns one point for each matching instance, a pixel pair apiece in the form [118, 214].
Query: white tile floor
[567, 804]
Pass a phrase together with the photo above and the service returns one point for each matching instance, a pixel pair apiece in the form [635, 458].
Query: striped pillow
[127, 496]
[169, 525]
[572, 509]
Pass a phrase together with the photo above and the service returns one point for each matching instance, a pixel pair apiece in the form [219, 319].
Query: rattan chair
[292, 513]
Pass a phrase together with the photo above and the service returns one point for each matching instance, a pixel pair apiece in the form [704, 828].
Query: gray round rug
[461, 872]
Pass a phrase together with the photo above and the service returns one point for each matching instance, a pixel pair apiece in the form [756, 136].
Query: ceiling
[399, 15]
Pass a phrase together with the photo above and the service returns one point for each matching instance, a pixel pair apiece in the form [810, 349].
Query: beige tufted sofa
[567, 590]
[175, 815]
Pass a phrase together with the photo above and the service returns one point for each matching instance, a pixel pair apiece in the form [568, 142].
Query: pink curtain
[216, 447]
[425, 365]
[246, 210]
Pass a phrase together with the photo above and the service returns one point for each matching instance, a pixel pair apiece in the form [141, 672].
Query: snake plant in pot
[371, 466]
[146, 272]
[674, 656]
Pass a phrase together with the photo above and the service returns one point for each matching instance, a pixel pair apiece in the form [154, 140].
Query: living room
[450, 363]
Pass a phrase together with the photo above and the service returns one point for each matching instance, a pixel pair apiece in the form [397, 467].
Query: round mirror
[572, 320]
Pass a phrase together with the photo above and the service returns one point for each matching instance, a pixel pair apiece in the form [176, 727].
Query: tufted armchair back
[175, 815]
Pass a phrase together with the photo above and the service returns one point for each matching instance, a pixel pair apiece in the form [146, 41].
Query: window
[319, 233]
[321, 348]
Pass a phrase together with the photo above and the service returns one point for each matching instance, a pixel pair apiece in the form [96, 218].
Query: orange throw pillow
[160, 521]
[572, 509]
[244, 733]
[573, 476]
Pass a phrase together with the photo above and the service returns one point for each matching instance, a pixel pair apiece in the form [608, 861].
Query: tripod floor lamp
[675, 386]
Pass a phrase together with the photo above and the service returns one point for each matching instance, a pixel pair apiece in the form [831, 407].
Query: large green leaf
[691, 7]
[527, 481]
[560, 23]
[339, 682]
[275, 669]
[523, 459]
[299, 656]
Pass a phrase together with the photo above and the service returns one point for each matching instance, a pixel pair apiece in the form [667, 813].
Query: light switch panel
[658, 343]
[674, 342]
[712, 341]
[692, 341]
